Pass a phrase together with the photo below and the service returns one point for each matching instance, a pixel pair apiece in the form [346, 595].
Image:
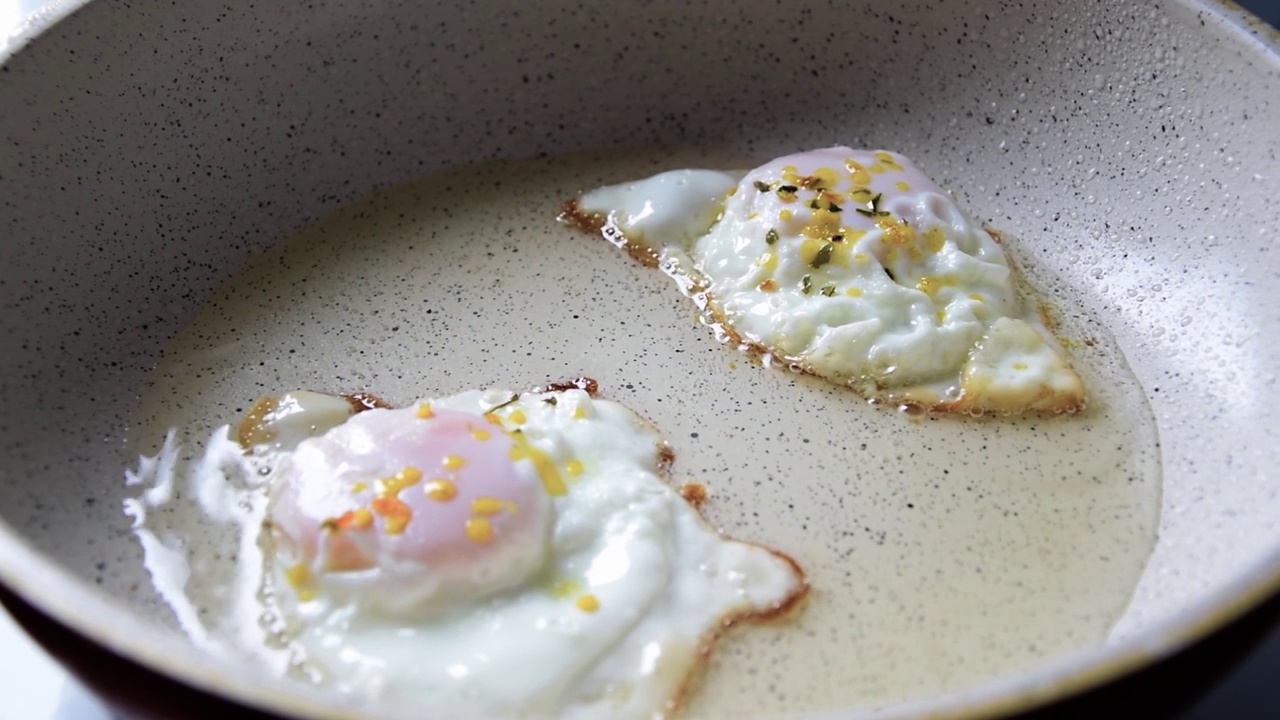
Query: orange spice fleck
[395, 514]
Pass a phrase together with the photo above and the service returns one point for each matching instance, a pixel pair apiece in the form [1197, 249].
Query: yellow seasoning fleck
[517, 417]
[395, 514]
[733, 365]
[480, 434]
[976, 296]
[902, 186]
[579, 413]
[564, 589]
[888, 160]
[857, 174]
[931, 284]
[299, 578]
[853, 292]
[487, 506]
[573, 467]
[942, 316]
[546, 469]
[453, 462]
[784, 215]
[1019, 366]
[824, 178]
[424, 411]
[406, 476]
[479, 531]
[861, 194]
[361, 519]
[358, 487]
[441, 490]
[297, 575]
[933, 239]
[588, 603]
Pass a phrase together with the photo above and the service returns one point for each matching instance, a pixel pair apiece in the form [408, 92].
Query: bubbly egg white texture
[855, 266]
[505, 555]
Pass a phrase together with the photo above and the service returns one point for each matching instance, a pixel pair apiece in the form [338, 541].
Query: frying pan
[151, 151]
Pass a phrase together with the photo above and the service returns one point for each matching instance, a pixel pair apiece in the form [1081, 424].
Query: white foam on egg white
[853, 265]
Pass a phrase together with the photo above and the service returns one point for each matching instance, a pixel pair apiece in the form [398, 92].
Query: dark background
[1253, 691]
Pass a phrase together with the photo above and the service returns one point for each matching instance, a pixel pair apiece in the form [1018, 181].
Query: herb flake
[771, 237]
[829, 290]
[761, 186]
[823, 256]
[806, 284]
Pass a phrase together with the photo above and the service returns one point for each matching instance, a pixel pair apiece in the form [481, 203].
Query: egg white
[901, 305]
[666, 583]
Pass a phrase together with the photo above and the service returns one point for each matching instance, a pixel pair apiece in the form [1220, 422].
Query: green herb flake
[829, 290]
[806, 284]
[771, 237]
[823, 256]
[864, 211]
[788, 189]
[761, 186]
[495, 408]
[549, 401]
[834, 207]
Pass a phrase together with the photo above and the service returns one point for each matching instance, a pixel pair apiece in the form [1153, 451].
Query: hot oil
[942, 551]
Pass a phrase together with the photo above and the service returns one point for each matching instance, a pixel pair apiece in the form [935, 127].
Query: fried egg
[498, 553]
[851, 265]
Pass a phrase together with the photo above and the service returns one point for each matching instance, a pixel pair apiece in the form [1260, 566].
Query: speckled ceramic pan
[156, 158]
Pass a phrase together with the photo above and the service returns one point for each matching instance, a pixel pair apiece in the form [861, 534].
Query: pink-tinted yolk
[444, 491]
